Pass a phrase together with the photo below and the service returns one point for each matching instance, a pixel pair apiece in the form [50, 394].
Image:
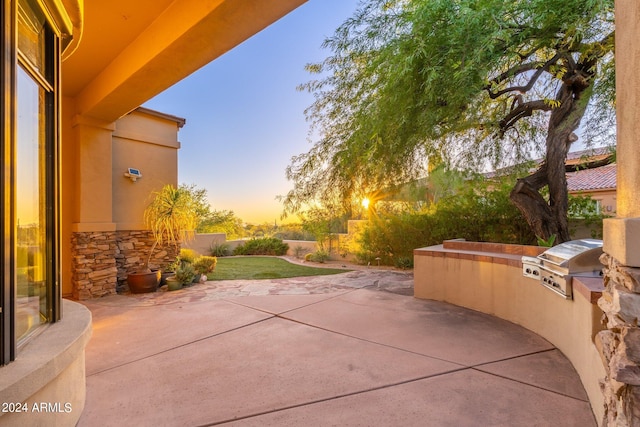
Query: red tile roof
[602, 178]
[574, 158]
[584, 156]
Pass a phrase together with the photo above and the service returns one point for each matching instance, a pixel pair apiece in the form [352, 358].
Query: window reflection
[31, 271]
[31, 34]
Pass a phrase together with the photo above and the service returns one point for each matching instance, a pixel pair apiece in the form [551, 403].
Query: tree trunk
[550, 218]
[535, 209]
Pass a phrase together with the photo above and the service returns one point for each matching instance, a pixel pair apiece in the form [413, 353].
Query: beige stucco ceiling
[131, 50]
[109, 26]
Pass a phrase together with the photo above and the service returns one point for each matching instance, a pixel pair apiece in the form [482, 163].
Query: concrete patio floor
[348, 349]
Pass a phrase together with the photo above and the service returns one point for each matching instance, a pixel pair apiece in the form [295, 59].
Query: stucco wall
[607, 199]
[490, 280]
[148, 143]
[201, 243]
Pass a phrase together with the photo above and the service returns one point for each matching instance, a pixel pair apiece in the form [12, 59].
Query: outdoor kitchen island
[488, 277]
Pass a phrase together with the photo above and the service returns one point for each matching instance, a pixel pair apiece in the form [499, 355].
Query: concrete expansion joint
[547, 389]
[149, 356]
[335, 397]
[279, 315]
[404, 350]
[548, 350]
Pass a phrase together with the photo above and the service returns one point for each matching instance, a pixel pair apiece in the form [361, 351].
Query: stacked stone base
[102, 260]
[619, 345]
[94, 264]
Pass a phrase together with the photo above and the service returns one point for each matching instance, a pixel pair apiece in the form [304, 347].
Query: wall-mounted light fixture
[133, 174]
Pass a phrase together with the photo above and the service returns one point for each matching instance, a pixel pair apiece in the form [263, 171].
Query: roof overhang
[131, 51]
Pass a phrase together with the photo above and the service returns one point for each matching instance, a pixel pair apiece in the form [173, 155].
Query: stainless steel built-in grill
[558, 265]
[531, 267]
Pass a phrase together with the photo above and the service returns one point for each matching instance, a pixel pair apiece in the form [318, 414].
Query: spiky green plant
[171, 216]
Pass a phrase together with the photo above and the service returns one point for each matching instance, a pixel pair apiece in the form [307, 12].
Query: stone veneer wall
[619, 345]
[102, 260]
[133, 250]
[93, 266]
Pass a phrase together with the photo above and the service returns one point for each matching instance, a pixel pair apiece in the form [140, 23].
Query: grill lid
[575, 256]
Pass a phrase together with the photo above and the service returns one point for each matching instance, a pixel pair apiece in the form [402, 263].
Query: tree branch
[513, 71]
[538, 179]
[521, 111]
[530, 83]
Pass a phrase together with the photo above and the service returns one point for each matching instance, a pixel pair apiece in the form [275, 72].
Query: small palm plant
[171, 216]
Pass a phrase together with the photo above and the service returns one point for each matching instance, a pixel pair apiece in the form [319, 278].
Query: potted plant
[171, 217]
[183, 276]
[169, 271]
[204, 265]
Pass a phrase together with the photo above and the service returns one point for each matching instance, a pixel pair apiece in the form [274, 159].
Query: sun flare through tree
[469, 82]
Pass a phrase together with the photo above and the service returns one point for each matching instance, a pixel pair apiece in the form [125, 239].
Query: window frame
[9, 347]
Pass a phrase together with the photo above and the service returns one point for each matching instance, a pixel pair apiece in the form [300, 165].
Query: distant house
[599, 183]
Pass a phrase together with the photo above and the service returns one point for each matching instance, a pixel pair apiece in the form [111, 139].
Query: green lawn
[256, 267]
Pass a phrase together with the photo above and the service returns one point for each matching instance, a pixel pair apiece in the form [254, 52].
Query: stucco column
[619, 345]
[622, 234]
[93, 246]
[93, 183]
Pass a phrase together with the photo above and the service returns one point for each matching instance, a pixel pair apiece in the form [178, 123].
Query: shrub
[308, 257]
[292, 232]
[185, 274]
[397, 235]
[585, 214]
[363, 257]
[477, 213]
[319, 256]
[188, 255]
[219, 249]
[205, 264]
[404, 262]
[262, 246]
[173, 266]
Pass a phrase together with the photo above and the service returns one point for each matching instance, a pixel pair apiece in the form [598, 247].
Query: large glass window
[31, 219]
[34, 174]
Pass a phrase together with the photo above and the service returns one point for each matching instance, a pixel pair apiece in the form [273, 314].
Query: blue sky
[245, 118]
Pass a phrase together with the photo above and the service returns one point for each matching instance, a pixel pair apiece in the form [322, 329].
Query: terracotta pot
[143, 282]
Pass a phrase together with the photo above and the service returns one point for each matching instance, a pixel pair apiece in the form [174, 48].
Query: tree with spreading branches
[469, 82]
